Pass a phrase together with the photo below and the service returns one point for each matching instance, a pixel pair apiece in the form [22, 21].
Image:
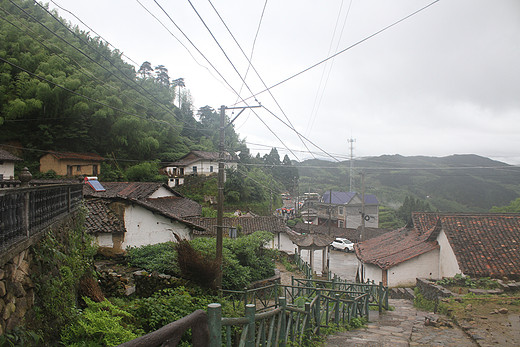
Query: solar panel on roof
[98, 187]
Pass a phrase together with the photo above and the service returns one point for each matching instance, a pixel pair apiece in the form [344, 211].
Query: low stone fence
[432, 291]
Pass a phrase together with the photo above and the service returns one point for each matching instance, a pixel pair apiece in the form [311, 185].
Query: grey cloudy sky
[444, 81]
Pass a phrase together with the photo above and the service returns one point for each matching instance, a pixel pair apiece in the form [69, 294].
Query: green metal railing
[287, 322]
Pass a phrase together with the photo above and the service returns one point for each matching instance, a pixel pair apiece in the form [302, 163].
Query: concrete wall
[448, 265]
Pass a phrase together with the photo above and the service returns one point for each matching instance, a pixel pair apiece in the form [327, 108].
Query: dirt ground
[490, 320]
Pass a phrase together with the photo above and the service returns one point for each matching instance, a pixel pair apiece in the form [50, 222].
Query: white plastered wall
[448, 265]
[423, 266]
[143, 227]
[7, 169]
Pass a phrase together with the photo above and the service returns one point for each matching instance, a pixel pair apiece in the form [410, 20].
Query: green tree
[513, 207]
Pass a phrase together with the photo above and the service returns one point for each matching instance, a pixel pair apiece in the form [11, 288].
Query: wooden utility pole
[220, 196]
[362, 206]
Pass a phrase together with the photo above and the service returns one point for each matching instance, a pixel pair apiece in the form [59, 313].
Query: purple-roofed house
[345, 209]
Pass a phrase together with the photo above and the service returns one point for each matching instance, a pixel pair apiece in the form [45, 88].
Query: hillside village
[130, 217]
[125, 215]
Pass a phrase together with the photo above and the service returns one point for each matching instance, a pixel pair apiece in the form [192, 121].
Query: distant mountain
[456, 183]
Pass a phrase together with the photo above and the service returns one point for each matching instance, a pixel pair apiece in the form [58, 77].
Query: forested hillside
[457, 183]
[61, 89]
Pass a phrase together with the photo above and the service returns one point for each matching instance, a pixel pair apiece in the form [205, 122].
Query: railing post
[283, 323]
[250, 315]
[215, 325]
[26, 214]
[245, 296]
[318, 313]
[336, 310]
[308, 314]
[380, 296]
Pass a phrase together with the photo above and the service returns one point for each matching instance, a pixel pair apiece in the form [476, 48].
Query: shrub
[160, 257]
[100, 324]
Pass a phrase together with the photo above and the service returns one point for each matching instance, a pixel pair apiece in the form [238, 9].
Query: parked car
[342, 244]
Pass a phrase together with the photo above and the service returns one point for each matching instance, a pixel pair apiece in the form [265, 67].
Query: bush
[160, 257]
[100, 324]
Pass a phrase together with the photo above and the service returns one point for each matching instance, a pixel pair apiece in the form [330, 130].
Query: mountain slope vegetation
[457, 183]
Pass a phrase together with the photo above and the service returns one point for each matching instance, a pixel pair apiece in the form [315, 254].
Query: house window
[195, 170]
[181, 171]
[94, 170]
[78, 168]
[341, 224]
[69, 170]
[340, 210]
[211, 168]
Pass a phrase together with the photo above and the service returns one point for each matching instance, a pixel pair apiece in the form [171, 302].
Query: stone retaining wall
[432, 291]
[16, 290]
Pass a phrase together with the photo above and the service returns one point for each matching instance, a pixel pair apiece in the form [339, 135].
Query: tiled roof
[130, 190]
[77, 156]
[178, 206]
[353, 235]
[343, 198]
[311, 240]
[5, 155]
[249, 224]
[485, 245]
[175, 207]
[197, 155]
[100, 218]
[394, 247]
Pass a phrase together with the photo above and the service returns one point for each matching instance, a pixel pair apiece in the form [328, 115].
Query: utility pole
[362, 206]
[351, 146]
[220, 195]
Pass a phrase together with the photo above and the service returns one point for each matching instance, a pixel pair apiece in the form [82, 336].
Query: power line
[254, 69]
[216, 70]
[64, 9]
[155, 100]
[346, 49]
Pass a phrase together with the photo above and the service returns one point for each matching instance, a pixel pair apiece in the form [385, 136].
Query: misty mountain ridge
[455, 183]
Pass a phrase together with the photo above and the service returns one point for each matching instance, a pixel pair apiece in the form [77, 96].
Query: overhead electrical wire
[101, 37]
[345, 49]
[216, 70]
[102, 84]
[319, 97]
[254, 69]
[155, 100]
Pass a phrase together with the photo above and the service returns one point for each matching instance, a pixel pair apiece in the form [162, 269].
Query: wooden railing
[28, 210]
[171, 334]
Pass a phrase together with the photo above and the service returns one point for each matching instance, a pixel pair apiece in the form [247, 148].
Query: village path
[404, 326]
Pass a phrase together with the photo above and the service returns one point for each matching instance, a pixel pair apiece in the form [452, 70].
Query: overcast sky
[444, 81]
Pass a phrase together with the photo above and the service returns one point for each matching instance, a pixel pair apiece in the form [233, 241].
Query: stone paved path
[402, 327]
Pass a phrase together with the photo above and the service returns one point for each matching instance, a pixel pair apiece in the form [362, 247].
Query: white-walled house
[346, 209]
[138, 213]
[7, 161]
[196, 163]
[443, 245]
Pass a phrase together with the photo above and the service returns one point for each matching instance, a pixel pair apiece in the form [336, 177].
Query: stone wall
[432, 291]
[16, 291]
